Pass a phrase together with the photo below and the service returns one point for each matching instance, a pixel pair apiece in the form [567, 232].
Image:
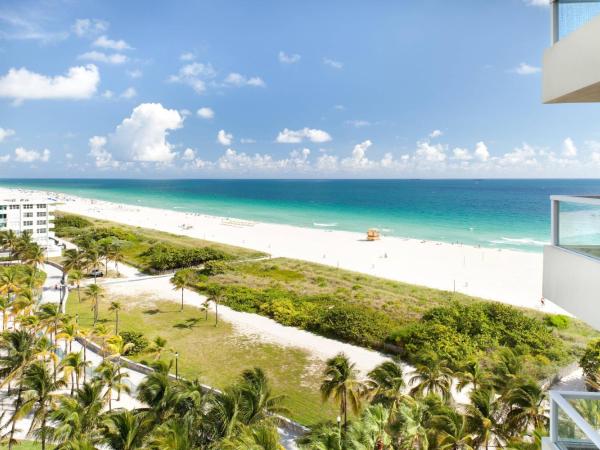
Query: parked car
[96, 273]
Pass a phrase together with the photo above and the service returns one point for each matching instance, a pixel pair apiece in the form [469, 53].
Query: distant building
[29, 213]
[572, 262]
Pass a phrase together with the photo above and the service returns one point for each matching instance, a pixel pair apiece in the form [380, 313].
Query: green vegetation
[215, 355]
[415, 322]
[149, 250]
[590, 363]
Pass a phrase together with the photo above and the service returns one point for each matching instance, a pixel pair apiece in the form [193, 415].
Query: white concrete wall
[572, 67]
[572, 281]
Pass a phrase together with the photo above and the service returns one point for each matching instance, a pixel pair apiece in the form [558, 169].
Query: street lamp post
[177, 365]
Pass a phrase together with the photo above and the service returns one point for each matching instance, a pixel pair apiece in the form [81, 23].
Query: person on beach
[542, 302]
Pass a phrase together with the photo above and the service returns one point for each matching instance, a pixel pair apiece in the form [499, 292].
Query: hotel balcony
[572, 64]
[572, 261]
[574, 421]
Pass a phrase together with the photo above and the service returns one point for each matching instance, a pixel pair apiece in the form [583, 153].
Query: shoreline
[505, 275]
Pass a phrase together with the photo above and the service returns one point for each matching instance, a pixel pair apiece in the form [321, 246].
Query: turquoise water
[492, 213]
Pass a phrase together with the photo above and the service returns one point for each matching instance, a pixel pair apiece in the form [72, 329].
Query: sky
[284, 89]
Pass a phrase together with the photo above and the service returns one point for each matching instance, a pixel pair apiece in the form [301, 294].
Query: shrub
[557, 321]
[590, 363]
[162, 257]
[139, 341]
[70, 221]
[216, 267]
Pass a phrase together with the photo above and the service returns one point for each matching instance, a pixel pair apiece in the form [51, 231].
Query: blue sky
[282, 88]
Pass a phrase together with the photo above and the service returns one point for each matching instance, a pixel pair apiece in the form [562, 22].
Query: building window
[41, 206]
[2, 216]
[2, 207]
[28, 214]
[27, 206]
[41, 214]
[41, 222]
[41, 231]
[14, 207]
[28, 223]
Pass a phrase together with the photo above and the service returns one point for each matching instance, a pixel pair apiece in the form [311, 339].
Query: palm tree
[78, 418]
[75, 278]
[507, 371]
[8, 240]
[180, 280]
[74, 366]
[93, 260]
[95, 292]
[454, 431]
[472, 374]
[10, 281]
[39, 395]
[158, 347]
[258, 401]
[215, 295]
[115, 307]
[116, 254]
[386, 383]
[341, 384]
[109, 374]
[17, 351]
[118, 347]
[34, 256]
[434, 377]
[174, 434]
[6, 306]
[74, 260]
[126, 430]
[369, 432]
[263, 436]
[528, 408]
[484, 415]
[409, 424]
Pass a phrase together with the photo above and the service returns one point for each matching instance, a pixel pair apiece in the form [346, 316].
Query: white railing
[572, 424]
[575, 224]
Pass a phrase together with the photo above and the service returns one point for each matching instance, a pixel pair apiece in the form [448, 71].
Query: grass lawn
[144, 238]
[27, 445]
[217, 355]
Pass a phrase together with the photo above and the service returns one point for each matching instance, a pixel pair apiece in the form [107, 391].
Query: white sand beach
[507, 276]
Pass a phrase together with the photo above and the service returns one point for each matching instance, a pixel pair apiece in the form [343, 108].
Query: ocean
[492, 213]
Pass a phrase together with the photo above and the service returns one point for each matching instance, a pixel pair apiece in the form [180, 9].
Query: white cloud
[481, 152]
[28, 156]
[195, 75]
[188, 56]
[129, 93]
[104, 42]
[288, 136]
[327, 163]
[24, 24]
[428, 152]
[224, 138]
[359, 160]
[4, 158]
[526, 69]
[358, 123]
[135, 73]
[189, 154]
[6, 132]
[436, 134]
[114, 58]
[102, 157]
[462, 154]
[242, 162]
[142, 137]
[239, 80]
[333, 63]
[522, 156]
[89, 27]
[108, 94]
[569, 149]
[537, 2]
[205, 113]
[79, 83]
[247, 141]
[288, 59]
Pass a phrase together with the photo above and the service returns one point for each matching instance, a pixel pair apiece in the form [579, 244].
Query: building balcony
[572, 64]
[574, 421]
[572, 261]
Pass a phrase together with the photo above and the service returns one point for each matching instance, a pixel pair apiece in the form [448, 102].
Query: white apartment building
[29, 213]
[571, 74]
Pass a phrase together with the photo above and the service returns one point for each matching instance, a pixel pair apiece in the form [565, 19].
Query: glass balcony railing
[576, 224]
[569, 15]
[575, 420]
